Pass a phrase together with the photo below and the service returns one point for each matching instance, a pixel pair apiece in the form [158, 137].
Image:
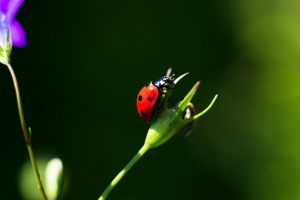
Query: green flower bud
[170, 120]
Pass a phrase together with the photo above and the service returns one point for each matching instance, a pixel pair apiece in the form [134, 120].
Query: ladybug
[149, 98]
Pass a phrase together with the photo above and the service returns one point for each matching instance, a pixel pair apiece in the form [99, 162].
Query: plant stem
[25, 133]
[141, 152]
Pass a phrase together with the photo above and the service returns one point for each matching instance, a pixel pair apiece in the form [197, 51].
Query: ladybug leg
[167, 87]
[159, 107]
[159, 114]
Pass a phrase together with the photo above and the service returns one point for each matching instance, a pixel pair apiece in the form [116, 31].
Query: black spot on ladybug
[143, 113]
[140, 98]
[150, 99]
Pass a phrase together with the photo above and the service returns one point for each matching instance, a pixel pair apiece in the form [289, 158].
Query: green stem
[141, 152]
[25, 133]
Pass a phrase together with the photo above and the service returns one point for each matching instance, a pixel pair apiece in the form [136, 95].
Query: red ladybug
[149, 97]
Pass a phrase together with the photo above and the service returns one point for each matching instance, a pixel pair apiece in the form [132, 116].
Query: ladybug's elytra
[150, 95]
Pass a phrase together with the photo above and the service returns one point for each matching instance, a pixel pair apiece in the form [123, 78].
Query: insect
[149, 98]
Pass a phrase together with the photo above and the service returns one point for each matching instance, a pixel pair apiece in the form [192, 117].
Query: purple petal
[4, 29]
[4, 6]
[13, 7]
[17, 35]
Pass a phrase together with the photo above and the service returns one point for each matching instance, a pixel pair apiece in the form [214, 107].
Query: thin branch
[25, 133]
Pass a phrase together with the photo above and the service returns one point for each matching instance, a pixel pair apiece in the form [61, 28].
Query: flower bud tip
[169, 71]
[180, 77]
[197, 84]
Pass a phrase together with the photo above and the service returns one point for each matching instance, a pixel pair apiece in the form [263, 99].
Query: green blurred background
[86, 61]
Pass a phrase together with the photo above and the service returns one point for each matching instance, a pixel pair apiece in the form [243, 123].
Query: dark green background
[86, 61]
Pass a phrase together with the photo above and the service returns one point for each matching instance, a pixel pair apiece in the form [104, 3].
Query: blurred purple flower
[5, 40]
[8, 10]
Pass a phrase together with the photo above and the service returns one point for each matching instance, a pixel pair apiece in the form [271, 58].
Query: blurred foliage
[86, 62]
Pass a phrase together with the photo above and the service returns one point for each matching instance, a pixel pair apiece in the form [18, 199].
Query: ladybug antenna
[172, 77]
[169, 71]
[180, 77]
